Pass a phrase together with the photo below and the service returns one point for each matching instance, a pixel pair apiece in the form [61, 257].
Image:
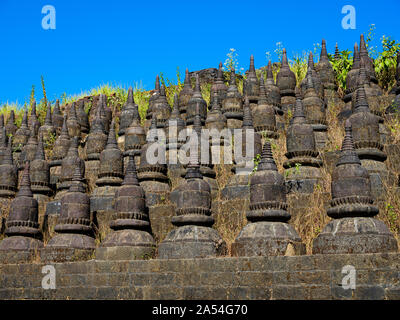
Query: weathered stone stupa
[74, 239]
[263, 114]
[130, 238]
[193, 237]
[47, 130]
[286, 82]
[216, 122]
[153, 98]
[74, 129]
[128, 112]
[274, 96]
[153, 176]
[367, 143]
[82, 117]
[219, 86]
[302, 169]
[196, 98]
[110, 177]
[315, 112]
[21, 136]
[40, 174]
[319, 87]
[11, 128]
[351, 85]
[57, 117]
[237, 186]
[59, 151]
[251, 86]
[184, 95]
[353, 229]
[267, 232]
[175, 139]
[22, 227]
[232, 105]
[161, 109]
[33, 123]
[8, 173]
[95, 143]
[135, 138]
[327, 76]
[69, 164]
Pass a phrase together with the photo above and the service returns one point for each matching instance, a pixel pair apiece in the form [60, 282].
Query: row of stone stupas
[127, 200]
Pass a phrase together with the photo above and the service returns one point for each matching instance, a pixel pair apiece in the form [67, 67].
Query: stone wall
[296, 277]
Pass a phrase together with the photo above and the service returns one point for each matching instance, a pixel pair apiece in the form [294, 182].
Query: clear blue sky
[124, 42]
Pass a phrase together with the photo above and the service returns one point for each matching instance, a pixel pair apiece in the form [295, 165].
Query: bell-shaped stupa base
[190, 241]
[127, 244]
[355, 235]
[266, 238]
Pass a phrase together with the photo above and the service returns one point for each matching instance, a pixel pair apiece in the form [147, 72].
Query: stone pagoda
[8, 173]
[21, 136]
[263, 114]
[153, 176]
[193, 237]
[216, 122]
[327, 76]
[135, 138]
[153, 98]
[110, 177]
[175, 138]
[130, 238]
[59, 151]
[267, 232]
[315, 112]
[22, 227]
[232, 105]
[74, 129]
[47, 130]
[40, 174]
[302, 169]
[129, 110]
[57, 117]
[184, 95]
[237, 187]
[351, 85]
[68, 168]
[274, 96]
[319, 87]
[11, 128]
[95, 143]
[33, 123]
[219, 86]
[367, 143]
[74, 234]
[286, 82]
[82, 117]
[196, 98]
[353, 228]
[251, 85]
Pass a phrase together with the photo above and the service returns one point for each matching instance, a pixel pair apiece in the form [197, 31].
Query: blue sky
[124, 42]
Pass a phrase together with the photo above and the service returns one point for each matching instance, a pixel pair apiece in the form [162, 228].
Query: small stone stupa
[267, 233]
[353, 230]
[22, 227]
[232, 105]
[130, 223]
[193, 237]
[184, 95]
